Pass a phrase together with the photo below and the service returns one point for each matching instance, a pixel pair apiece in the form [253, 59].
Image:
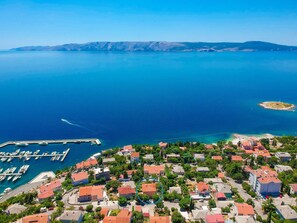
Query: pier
[55, 156]
[93, 141]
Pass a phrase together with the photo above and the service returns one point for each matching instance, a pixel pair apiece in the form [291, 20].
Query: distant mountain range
[156, 46]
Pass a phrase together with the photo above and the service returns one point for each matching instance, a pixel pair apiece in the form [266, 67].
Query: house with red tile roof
[45, 195]
[80, 178]
[124, 216]
[202, 189]
[127, 150]
[135, 157]
[247, 145]
[215, 218]
[154, 169]
[236, 158]
[36, 218]
[293, 188]
[208, 146]
[160, 219]
[126, 191]
[90, 193]
[47, 190]
[221, 175]
[264, 181]
[54, 185]
[149, 188]
[87, 164]
[217, 158]
[221, 196]
[163, 145]
[243, 209]
[104, 211]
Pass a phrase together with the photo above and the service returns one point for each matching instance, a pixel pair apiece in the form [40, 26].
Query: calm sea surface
[127, 98]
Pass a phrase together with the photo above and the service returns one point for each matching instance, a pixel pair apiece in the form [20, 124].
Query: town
[246, 180]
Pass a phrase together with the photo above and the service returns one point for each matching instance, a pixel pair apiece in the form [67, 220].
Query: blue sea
[129, 98]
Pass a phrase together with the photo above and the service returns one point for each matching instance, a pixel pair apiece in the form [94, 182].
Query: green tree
[176, 217]
[89, 208]
[185, 203]
[122, 201]
[212, 203]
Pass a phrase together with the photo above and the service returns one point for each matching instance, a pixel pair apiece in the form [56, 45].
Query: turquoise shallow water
[127, 98]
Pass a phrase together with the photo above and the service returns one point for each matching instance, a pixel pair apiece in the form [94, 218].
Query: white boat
[9, 159]
[9, 178]
[1, 170]
[3, 159]
[7, 190]
[15, 178]
[2, 178]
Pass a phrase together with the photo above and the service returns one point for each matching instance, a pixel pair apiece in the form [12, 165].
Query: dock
[55, 156]
[93, 141]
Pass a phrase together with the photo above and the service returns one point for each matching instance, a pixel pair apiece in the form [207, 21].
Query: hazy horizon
[35, 22]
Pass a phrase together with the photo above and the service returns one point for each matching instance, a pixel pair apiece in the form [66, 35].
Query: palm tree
[268, 208]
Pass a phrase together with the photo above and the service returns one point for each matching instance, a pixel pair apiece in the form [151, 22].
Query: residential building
[127, 150]
[223, 188]
[102, 173]
[45, 195]
[87, 164]
[154, 169]
[163, 145]
[202, 189]
[208, 146]
[149, 188]
[282, 168]
[221, 175]
[246, 145]
[179, 170]
[244, 209]
[71, 217]
[217, 158]
[283, 156]
[148, 157]
[293, 188]
[135, 157]
[36, 218]
[108, 160]
[172, 155]
[244, 219]
[160, 219]
[124, 216]
[199, 157]
[221, 196]
[264, 181]
[47, 191]
[236, 159]
[286, 212]
[176, 189]
[80, 178]
[126, 191]
[202, 169]
[199, 214]
[90, 193]
[215, 218]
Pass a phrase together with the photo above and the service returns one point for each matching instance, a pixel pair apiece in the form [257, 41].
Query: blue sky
[37, 22]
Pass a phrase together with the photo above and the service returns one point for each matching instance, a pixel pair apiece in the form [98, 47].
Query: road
[245, 196]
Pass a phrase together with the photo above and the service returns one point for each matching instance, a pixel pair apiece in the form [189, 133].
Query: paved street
[245, 196]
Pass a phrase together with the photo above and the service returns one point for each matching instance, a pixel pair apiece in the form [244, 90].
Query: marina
[27, 155]
[10, 173]
[93, 141]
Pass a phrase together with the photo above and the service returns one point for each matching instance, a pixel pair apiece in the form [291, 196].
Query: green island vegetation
[235, 176]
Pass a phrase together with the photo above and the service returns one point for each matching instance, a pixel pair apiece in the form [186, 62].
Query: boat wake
[76, 125]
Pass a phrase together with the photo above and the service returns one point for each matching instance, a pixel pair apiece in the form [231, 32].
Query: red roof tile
[244, 209]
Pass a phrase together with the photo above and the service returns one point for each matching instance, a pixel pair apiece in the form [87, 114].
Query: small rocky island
[277, 105]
